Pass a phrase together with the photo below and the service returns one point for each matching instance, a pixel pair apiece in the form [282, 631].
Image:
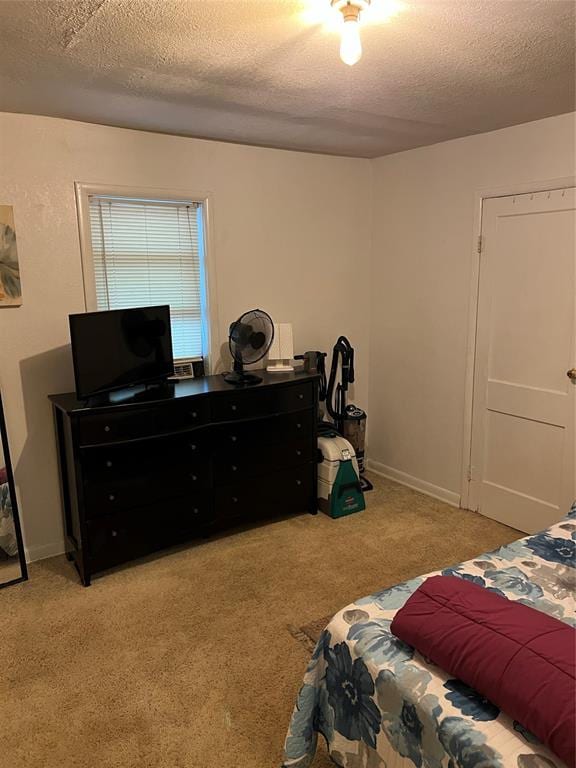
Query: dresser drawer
[133, 423]
[121, 537]
[232, 466]
[261, 433]
[148, 457]
[295, 397]
[243, 404]
[277, 493]
[108, 496]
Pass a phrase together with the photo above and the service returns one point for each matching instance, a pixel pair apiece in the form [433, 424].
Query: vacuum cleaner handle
[347, 351]
[343, 349]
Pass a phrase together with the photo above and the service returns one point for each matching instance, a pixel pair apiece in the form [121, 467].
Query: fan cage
[260, 323]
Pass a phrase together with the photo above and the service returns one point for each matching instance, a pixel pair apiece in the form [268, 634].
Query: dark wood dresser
[172, 464]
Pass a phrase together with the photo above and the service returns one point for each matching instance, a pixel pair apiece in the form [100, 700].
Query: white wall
[291, 235]
[423, 252]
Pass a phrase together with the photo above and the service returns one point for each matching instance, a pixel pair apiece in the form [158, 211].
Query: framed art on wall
[10, 285]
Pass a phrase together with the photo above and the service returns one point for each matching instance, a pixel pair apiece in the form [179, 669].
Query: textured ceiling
[265, 72]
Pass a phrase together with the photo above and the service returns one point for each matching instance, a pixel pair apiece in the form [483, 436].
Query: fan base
[242, 379]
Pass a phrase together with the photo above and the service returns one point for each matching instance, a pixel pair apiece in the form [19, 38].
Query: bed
[379, 704]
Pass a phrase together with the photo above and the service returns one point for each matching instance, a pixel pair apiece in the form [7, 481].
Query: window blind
[149, 252]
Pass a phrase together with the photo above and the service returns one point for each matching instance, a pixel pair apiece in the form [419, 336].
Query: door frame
[479, 197]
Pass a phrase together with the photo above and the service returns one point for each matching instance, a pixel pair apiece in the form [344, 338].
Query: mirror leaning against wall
[12, 559]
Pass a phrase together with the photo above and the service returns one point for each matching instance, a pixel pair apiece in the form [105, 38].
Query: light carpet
[185, 660]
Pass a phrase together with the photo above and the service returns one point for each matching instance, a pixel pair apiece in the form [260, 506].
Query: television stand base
[157, 390]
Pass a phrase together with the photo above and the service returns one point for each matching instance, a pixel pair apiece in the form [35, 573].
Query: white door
[522, 466]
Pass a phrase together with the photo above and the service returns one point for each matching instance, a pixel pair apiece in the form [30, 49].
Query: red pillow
[519, 658]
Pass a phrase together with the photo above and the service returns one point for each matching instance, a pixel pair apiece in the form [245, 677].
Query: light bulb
[350, 45]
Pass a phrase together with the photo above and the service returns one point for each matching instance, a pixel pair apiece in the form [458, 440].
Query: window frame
[83, 191]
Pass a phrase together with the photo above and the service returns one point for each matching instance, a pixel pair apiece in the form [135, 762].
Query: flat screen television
[120, 348]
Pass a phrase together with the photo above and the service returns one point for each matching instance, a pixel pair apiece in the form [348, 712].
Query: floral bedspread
[379, 704]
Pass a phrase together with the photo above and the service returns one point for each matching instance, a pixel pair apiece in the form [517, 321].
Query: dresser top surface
[175, 391]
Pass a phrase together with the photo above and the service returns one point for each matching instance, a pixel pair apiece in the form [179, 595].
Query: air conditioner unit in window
[188, 368]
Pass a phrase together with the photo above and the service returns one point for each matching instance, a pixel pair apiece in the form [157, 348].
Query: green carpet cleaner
[339, 489]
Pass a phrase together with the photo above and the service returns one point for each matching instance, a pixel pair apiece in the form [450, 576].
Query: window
[147, 252]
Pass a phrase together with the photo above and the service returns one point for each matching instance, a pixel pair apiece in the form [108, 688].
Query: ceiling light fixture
[350, 45]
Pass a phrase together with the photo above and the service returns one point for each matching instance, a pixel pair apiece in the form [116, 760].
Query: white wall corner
[442, 494]
[44, 551]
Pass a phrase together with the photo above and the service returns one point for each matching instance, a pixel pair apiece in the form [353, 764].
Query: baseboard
[44, 550]
[449, 497]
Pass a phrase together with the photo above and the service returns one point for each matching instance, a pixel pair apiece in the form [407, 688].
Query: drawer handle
[298, 453]
[195, 511]
[194, 477]
[300, 396]
[298, 482]
[234, 407]
[234, 500]
[114, 533]
[234, 468]
[106, 428]
[233, 438]
[194, 414]
[112, 497]
[108, 463]
[192, 446]
[298, 426]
